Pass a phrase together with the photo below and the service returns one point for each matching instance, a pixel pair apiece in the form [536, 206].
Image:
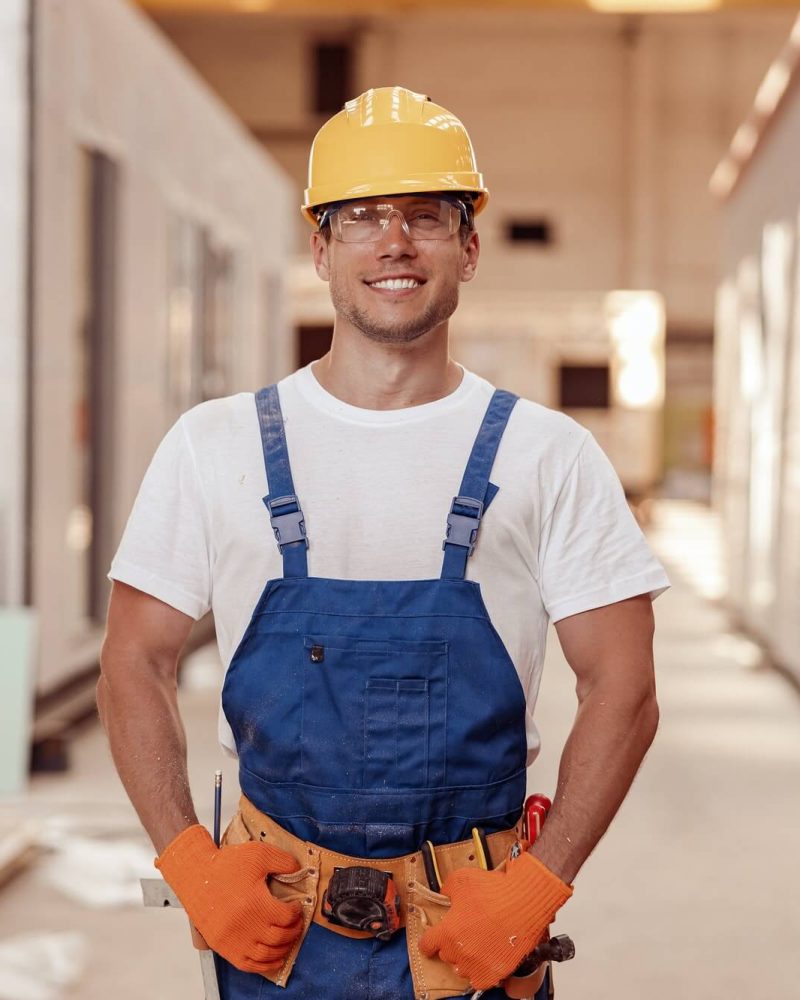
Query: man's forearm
[139, 710]
[609, 738]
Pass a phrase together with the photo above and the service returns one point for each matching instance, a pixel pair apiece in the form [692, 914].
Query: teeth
[396, 284]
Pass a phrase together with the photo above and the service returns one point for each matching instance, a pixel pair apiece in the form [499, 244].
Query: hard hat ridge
[390, 140]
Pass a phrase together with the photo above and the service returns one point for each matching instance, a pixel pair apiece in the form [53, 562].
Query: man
[381, 676]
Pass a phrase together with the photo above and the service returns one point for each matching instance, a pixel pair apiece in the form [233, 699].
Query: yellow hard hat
[390, 141]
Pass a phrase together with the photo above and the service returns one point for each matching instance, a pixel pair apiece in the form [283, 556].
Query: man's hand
[495, 919]
[224, 892]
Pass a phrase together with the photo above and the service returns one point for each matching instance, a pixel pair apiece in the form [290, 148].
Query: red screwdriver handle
[536, 809]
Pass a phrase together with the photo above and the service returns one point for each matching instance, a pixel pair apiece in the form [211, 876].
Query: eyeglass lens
[423, 219]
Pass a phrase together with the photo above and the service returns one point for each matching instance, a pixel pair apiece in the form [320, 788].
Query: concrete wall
[108, 81]
[757, 473]
[14, 108]
[609, 127]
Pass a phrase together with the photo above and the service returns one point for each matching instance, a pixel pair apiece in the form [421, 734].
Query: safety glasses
[422, 218]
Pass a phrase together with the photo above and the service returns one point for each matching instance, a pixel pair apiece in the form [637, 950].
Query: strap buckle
[462, 528]
[289, 525]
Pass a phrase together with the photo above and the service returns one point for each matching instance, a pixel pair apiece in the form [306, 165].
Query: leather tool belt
[419, 906]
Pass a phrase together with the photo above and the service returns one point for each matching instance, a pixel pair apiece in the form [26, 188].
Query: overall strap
[285, 514]
[466, 511]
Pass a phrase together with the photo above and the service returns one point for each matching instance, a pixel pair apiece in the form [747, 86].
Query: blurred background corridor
[639, 271]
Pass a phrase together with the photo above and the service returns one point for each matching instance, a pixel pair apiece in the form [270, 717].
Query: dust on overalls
[370, 716]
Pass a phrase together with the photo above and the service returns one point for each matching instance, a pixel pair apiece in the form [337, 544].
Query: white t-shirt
[376, 487]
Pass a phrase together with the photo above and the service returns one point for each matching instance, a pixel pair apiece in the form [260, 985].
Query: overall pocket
[374, 712]
[396, 733]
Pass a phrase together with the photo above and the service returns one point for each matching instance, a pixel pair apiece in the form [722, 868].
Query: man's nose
[395, 241]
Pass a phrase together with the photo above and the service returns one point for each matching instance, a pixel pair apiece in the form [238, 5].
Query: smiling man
[414, 299]
[384, 538]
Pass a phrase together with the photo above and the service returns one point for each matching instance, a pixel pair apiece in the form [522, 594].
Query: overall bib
[370, 716]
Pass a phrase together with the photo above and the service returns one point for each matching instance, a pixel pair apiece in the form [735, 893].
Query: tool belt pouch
[434, 979]
[420, 907]
[525, 987]
[301, 886]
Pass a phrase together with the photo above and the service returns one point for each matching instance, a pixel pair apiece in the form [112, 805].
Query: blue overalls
[370, 716]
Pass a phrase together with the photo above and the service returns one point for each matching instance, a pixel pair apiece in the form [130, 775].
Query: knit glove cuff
[541, 891]
[190, 850]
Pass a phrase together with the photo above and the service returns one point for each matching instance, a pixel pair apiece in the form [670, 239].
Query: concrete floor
[692, 894]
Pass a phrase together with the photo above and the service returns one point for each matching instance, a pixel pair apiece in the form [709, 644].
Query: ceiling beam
[344, 7]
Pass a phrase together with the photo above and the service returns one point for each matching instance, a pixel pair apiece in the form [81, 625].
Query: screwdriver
[481, 845]
[534, 814]
[431, 867]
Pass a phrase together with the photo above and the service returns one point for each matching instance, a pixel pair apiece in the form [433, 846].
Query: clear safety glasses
[425, 218]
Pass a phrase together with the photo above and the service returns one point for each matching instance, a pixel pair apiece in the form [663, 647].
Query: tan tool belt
[420, 907]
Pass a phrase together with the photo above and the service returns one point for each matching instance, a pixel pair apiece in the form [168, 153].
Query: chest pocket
[374, 712]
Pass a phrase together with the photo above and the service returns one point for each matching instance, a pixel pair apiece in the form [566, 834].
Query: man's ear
[470, 251]
[319, 254]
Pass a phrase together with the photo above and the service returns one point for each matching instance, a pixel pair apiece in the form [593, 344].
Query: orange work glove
[495, 919]
[224, 892]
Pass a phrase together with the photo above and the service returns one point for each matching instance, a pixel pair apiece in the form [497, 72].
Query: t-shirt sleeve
[592, 551]
[165, 549]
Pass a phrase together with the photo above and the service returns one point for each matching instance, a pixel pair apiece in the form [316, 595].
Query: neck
[377, 376]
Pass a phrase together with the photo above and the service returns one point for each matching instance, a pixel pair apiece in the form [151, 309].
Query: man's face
[396, 289]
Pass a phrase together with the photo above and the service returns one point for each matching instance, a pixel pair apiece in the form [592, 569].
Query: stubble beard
[436, 313]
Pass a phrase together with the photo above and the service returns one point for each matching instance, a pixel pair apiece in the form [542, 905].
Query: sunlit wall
[161, 229]
[757, 473]
[13, 243]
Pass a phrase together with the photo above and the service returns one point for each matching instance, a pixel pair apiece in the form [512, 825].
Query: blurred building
[14, 124]
[152, 165]
[757, 469]
[596, 134]
[147, 234]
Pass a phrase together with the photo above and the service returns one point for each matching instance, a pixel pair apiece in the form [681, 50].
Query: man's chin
[403, 326]
[405, 334]
[397, 331]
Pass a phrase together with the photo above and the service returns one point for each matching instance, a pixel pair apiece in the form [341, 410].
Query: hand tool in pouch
[432, 873]
[363, 899]
[156, 892]
[534, 814]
